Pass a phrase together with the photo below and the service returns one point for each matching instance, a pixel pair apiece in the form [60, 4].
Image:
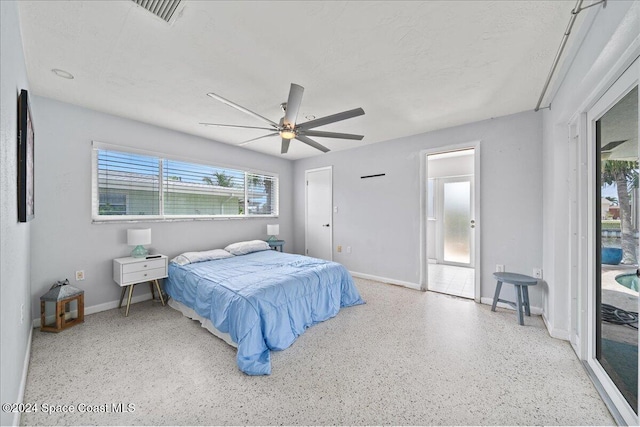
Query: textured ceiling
[413, 66]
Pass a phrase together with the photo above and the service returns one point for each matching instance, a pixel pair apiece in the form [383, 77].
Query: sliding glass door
[617, 293]
[613, 125]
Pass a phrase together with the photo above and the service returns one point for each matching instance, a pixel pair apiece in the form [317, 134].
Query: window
[137, 185]
[113, 203]
[192, 189]
[131, 177]
[262, 191]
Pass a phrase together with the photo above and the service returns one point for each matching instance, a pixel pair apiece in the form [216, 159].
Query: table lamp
[273, 230]
[138, 237]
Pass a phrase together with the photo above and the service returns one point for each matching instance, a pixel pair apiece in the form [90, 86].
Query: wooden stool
[521, 283]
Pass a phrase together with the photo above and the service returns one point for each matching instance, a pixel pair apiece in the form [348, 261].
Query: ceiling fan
[287, 128]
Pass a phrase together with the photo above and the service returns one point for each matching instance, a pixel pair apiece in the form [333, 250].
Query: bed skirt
[204, 322]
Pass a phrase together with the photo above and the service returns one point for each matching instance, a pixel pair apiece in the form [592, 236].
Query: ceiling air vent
[163, 9]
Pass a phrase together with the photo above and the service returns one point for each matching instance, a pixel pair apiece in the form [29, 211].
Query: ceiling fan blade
[235, 126]
[312, 143]
[260, 137]
[240, 108]
[285, 146]
[331, 134]
[330, 119]
[293, 104]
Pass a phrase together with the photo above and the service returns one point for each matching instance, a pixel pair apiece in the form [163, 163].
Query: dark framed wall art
[26, 199]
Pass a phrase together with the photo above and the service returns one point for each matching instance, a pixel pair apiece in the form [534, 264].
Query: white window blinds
[262, 193]
[128, 184]
[192, 189]
[135, 185]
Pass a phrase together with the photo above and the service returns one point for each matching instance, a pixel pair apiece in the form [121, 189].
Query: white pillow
[243, 248]
[191, 257]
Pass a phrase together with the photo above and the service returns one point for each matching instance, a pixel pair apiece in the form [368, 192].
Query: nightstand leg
[129, 300]
[152, 293]
[159, 291]
[124, 288]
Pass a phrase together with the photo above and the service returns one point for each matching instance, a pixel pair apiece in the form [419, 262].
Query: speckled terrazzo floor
[406, 357]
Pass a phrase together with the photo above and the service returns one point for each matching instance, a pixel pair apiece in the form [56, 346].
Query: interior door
[319, 214]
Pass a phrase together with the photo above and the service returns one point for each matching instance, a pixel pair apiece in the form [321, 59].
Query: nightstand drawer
[149, 264]
[141, 276]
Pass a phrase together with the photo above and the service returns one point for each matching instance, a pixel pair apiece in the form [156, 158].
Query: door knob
[325, 225]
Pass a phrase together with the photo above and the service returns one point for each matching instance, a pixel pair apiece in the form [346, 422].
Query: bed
[260, 301]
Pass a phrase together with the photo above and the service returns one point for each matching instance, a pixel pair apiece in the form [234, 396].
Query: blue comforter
[264, 300]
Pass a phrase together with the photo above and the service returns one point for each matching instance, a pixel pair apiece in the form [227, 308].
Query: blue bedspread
[264, 300]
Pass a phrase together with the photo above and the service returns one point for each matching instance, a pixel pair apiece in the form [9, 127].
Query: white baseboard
[23, 380]
[105, 306]
[114, 304]
[386, 280]
[560, 334]
[489, 301]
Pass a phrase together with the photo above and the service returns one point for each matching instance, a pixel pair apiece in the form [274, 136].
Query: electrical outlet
[335, 209]
[348, 249]
[21, 314]
[79, 275]
[499, 268]
[537, 273]
[339, 248]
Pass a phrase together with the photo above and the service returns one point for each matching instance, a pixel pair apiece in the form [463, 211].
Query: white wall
[15, 290]
[64, 238]
[380, 217]
[612, 32]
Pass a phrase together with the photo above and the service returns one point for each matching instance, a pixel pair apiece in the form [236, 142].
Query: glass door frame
[615, 93]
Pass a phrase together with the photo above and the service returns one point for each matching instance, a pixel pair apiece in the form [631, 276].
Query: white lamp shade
[138, 236]
[273, 229]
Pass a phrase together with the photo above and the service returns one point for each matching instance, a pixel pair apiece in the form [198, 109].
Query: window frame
[97, 218]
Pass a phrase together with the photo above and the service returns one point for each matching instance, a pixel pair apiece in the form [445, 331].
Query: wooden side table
[276, 245]
[129, 271]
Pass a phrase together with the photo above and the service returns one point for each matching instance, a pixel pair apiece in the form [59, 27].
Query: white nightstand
[129, 271]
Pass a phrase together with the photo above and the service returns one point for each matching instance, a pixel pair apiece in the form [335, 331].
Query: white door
[319, 209]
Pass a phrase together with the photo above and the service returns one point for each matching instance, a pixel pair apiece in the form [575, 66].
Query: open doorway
[451, 222]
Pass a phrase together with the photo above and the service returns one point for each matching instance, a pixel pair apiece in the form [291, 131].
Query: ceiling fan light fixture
[287, 134]
[288, 128]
